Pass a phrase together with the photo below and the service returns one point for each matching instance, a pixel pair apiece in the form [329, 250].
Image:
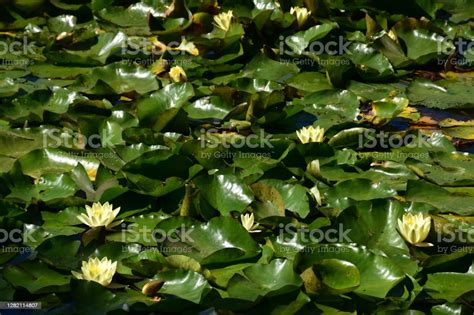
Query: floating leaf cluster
[237, 157]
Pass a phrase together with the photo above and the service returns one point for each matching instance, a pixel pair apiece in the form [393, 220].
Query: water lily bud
[99, 215]
[317, 195]
[310, 134]
[313, 168]
[91, 169]
[152, 287]
[91, 173]
[101, 271]
[414, 228]
[302, 15]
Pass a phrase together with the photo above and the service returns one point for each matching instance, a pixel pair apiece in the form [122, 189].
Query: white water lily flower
[415, 228]
[310, 134]
[248, 222]
[302, 15]
[177, 74]
[100, 271]
[223, 20]
[99, 215]
[188, 47]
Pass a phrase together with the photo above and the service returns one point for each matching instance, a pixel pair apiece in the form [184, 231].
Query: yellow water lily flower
[414, 228]
[223, 20]
[310, 134]
[101, 271]
[177, 74]
[188, 47]
[100, 215]
[302, 15]
[248, 222]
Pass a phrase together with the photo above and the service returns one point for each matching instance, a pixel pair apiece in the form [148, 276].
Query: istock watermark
[55, 138]
[450, 233]
[16, 236]
[461, 239]
[372, 138]
[447, 47]
[17, 47]
[460, 46]
[305, 234]
[213, 138]
[149, 46]
[172, 241]
[10, 241]
[340, 46]
[135, 233]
